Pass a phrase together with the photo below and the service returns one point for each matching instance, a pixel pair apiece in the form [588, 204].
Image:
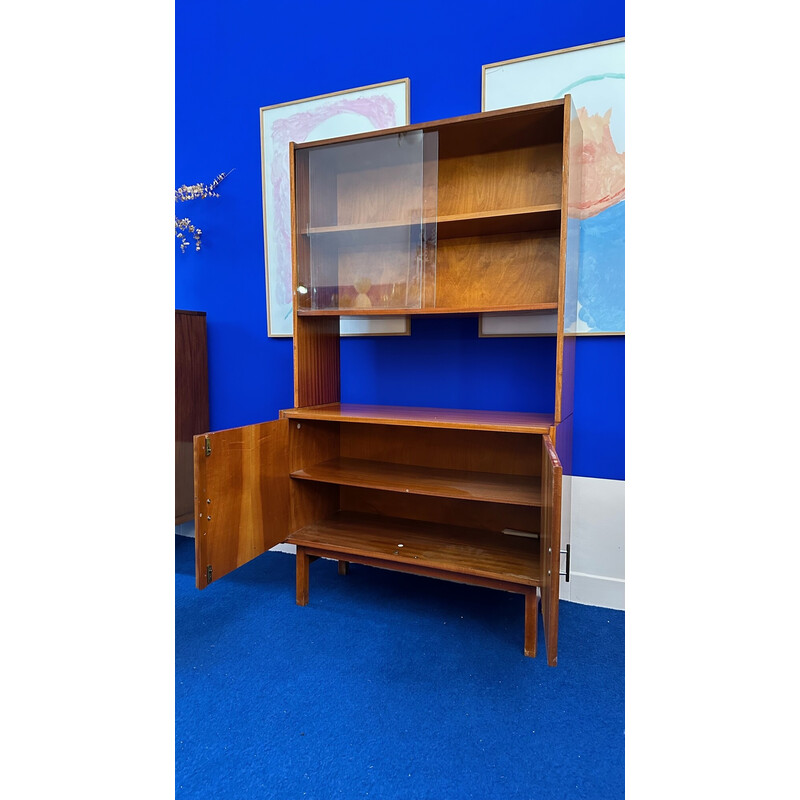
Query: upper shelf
[512, 421]
[453, 226]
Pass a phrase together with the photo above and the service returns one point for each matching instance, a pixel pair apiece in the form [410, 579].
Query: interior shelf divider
[524, 490]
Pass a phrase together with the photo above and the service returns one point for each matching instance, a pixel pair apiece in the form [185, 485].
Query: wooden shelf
[511, 220]
[443, 311]
[512, 421]
[448, 548]
[324, 230]
[461, 484]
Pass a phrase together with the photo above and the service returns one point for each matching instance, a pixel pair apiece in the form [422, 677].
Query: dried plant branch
[197, 191]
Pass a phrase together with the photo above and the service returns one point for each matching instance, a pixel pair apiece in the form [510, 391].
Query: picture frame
[342, 113]
[594, 75]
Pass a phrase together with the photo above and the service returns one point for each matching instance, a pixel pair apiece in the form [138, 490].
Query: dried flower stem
[196, 191]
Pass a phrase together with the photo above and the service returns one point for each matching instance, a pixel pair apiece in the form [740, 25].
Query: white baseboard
[596, 590]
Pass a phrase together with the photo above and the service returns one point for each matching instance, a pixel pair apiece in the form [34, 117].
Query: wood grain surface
[520, 421]
[449, 548]
[461, 484]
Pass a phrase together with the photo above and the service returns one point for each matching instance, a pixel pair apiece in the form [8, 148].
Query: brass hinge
[208, 574]
[208, 446]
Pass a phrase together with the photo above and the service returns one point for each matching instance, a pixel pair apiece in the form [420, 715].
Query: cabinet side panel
[572, 189]
[316, 339]
[550, 546]
[316, 361]
[568, 345]
[563, 443]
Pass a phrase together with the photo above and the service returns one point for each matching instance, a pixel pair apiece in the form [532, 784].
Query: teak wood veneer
[460, 216]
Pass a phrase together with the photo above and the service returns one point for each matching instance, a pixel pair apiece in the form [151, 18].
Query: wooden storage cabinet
[460, 216]
[191, 403]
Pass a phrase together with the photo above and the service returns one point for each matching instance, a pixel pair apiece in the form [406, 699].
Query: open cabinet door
[550, 538]
[241, 484]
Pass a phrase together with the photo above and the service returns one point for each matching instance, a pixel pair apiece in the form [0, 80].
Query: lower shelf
[427, 546]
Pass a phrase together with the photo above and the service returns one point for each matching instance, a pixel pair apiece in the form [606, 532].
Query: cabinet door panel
[241, 479]
[550, 537]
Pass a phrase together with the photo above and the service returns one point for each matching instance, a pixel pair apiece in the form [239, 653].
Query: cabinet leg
[531, 621]
[302, 576]
[344, 567]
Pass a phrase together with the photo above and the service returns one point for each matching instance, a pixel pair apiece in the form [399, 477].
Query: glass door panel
[366, 224]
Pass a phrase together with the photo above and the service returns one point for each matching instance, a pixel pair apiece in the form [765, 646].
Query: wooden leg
[344, 567]
[531, 621]
[302, 577]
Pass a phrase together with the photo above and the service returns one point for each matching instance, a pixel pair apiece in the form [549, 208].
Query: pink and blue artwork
[339, 114]
[594, 76]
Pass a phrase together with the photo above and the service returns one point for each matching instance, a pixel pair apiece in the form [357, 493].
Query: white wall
[595, 510]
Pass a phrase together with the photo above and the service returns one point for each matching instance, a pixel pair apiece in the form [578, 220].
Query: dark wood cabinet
[464, 216]
[191, 403]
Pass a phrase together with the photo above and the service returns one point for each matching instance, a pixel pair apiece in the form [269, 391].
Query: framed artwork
[594, 75]
[367, 108]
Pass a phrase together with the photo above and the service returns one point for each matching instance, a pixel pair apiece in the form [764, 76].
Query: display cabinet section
[457, 216]
[361, 219]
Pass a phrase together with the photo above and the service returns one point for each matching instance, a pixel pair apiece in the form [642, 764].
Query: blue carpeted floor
[387, 686]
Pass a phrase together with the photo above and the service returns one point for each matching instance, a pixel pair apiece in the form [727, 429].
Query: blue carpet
[387, 686]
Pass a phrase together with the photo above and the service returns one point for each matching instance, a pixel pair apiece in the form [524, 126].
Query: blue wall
[234, 57]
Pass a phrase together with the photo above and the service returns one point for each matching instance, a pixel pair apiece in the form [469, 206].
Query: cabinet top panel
[513, 421]
[550, 111]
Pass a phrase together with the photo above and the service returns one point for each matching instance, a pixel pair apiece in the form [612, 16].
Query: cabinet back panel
[538, 126]
[385, 194]
[498, 180]
[501, 270]
[311, 442]
[310, 502]
[445, 448]
[443, 510]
